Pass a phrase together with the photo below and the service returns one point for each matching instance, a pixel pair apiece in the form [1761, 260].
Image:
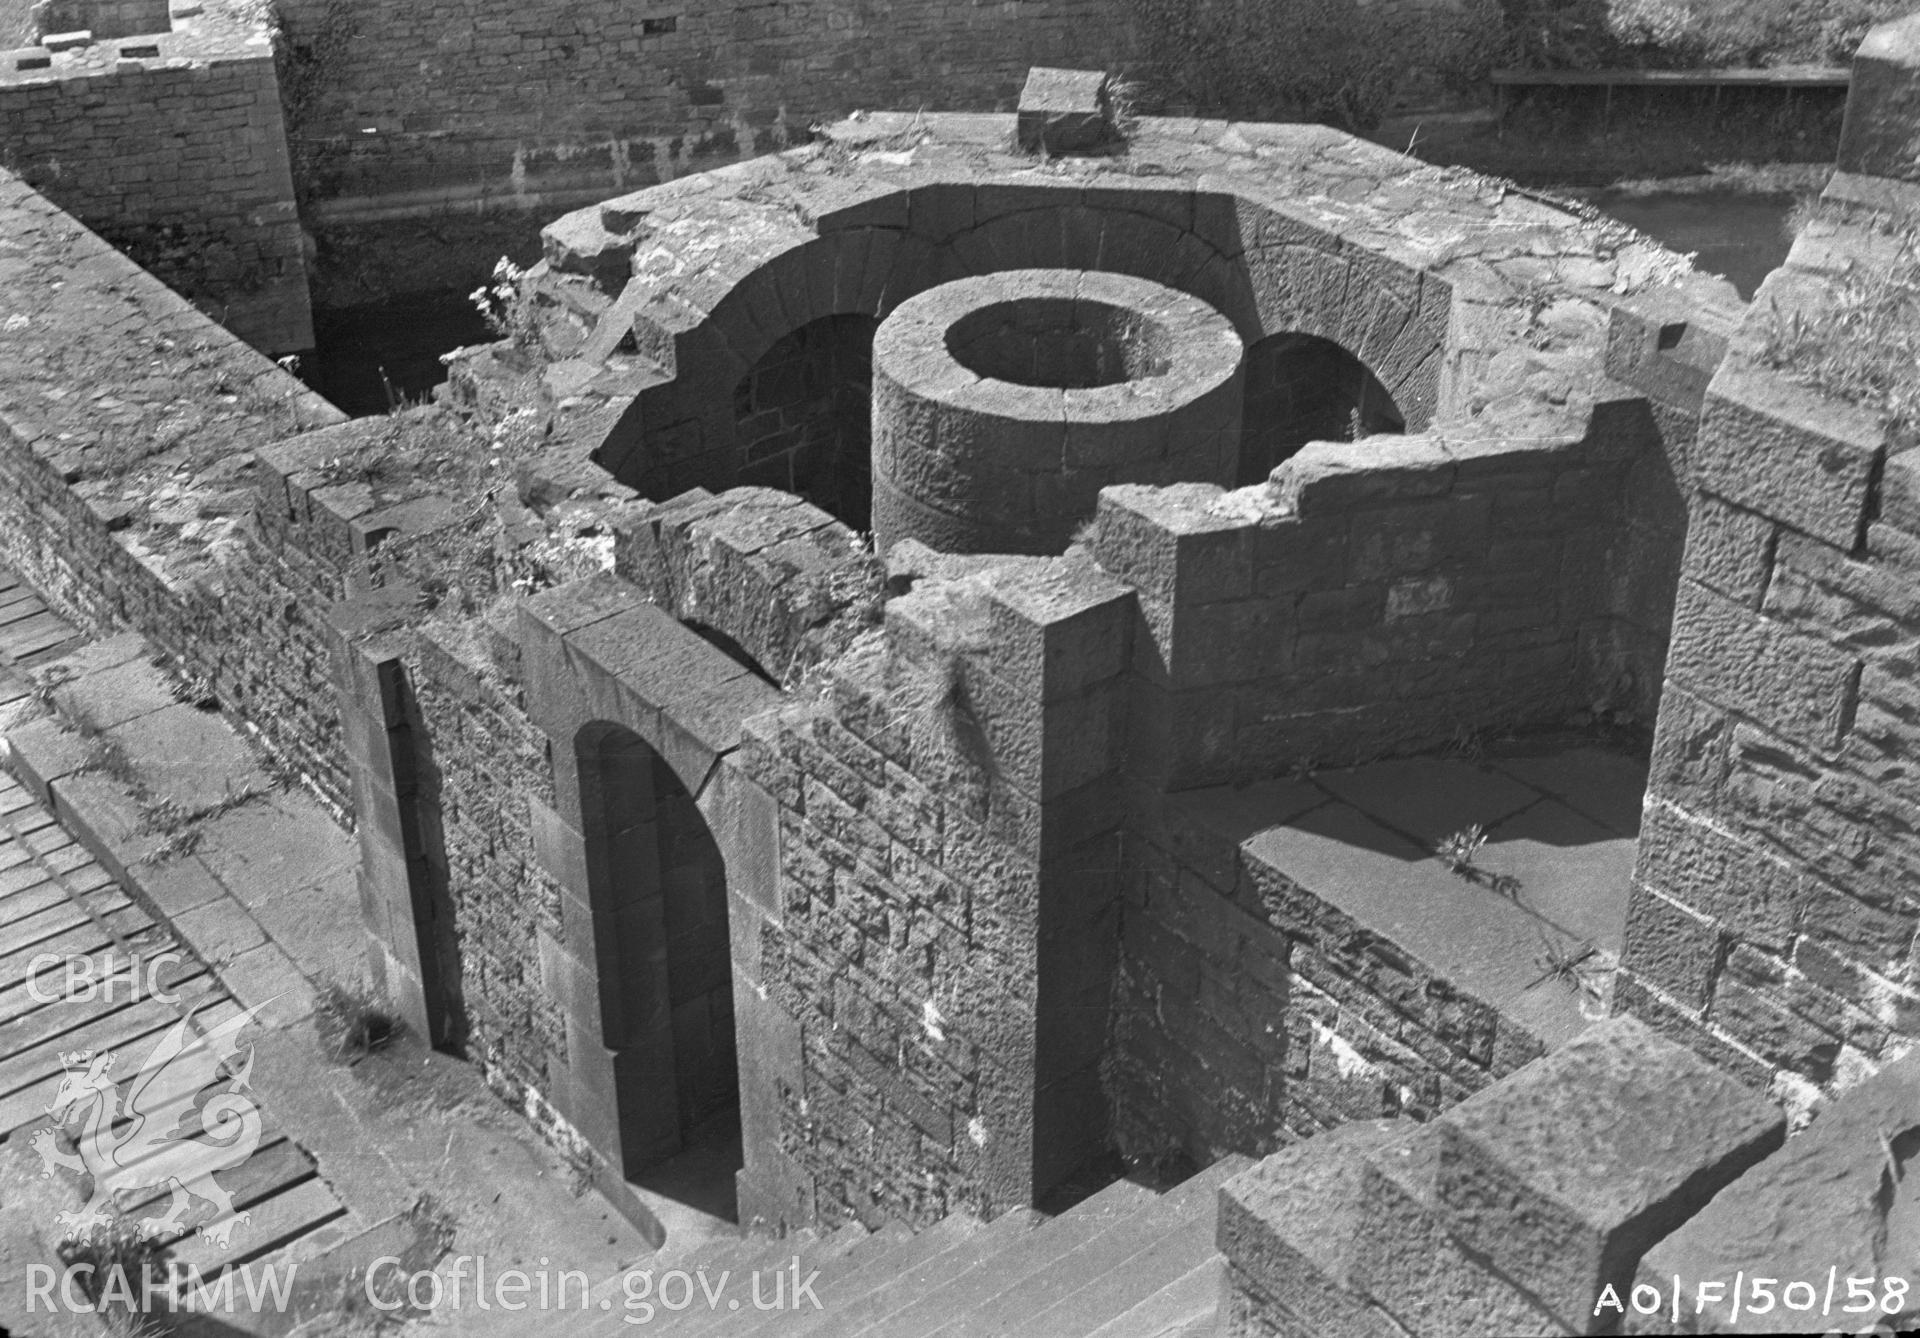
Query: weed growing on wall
[1678, 34]
[505, 306]
[1568, 968]
[1864, 344]
[1458, 850]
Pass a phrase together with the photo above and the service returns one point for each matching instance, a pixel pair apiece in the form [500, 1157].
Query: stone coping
[1195, 345]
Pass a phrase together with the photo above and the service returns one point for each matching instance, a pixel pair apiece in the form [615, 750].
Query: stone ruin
[984, 661]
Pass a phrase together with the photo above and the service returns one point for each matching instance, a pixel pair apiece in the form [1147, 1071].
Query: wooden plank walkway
[55, 899]
[29, 630]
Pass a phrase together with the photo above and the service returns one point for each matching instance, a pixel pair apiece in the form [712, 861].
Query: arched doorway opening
[658, 888]
[1302, 388]
[803, 417]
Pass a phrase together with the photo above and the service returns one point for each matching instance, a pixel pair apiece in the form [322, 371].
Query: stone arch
[1302, 388]
[651, 820]
[1268, 271]
[802, 416]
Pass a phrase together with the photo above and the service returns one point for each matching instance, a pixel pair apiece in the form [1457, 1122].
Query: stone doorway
[658, 885]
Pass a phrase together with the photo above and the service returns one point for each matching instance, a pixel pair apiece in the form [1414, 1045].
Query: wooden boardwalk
[56, 900]
[29, 630]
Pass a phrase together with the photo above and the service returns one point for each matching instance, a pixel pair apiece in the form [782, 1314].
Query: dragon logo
[135, 1141]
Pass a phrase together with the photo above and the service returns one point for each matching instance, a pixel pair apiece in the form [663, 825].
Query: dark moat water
[370, 359]
[1740, 236]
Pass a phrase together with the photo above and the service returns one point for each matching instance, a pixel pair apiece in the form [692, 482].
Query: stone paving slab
[114, 695]
[1468, 934]
[1607, 787]
[1427, 799]
[179, 749]
[1536, 927]
[1569, 870]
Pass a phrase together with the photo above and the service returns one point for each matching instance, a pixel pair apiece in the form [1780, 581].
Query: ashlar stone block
[1568, 1172]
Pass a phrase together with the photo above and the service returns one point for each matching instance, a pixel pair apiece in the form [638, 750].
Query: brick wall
[400, 107]
[179, 158]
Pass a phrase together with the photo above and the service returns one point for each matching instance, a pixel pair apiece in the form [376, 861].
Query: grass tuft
[122, 1262]
[1863, 346]
[352, 1023]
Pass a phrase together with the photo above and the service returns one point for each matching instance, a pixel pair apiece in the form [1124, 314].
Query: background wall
[398, 107]
[173, 148]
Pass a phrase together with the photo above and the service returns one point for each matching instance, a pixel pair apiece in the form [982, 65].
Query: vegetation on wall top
[1681, 34]
[1863, 344]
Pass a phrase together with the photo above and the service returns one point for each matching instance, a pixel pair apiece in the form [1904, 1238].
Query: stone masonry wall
[878, 910]
[1249, 1014]
[949, 842]
[1773, 918]
[174, 148]
[487, 761]
[804, 418]
[1301, 389]
[412, 108]
[1384, 597]
[1620, 1185]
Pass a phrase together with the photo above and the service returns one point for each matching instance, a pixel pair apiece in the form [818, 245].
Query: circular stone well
[1002, 404]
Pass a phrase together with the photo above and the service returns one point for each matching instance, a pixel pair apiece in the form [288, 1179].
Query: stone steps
[1125, 1263]
[1036, 1262]
[1128, 1258]
[1187, 1307]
